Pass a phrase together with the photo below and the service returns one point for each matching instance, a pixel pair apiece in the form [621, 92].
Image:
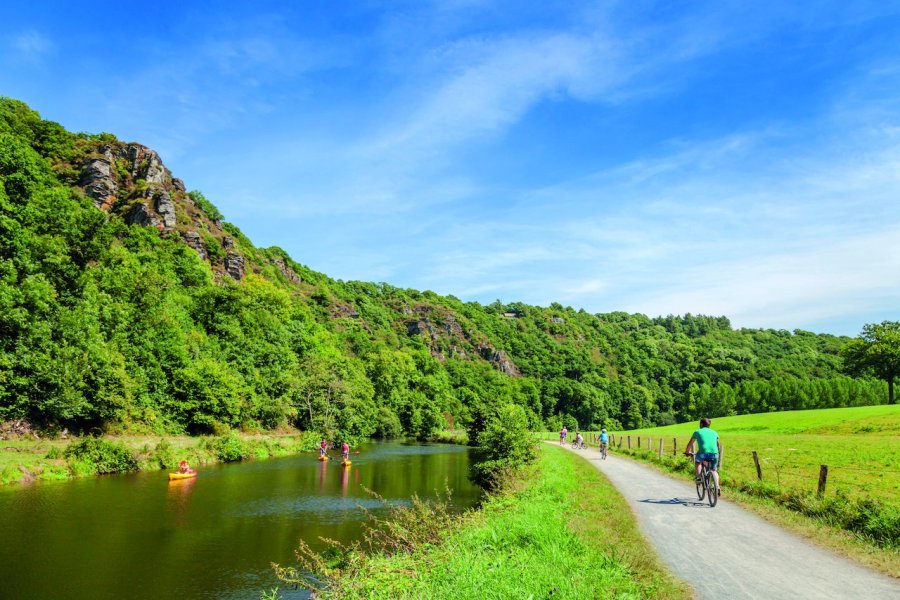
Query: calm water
[138, 536]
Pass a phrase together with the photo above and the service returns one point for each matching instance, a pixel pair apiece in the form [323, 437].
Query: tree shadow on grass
[689, 502]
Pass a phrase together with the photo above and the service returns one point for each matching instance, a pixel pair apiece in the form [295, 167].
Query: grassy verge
[563, 531]
[27, 460]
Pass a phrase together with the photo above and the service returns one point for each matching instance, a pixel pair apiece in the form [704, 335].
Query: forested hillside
[127, 304]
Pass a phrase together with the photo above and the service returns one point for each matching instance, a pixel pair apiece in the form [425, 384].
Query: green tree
[876, 351]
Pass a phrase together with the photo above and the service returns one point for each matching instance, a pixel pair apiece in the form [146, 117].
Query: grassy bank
[564, 531]
[25, 460]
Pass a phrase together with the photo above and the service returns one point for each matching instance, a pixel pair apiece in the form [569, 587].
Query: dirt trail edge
[729, 552]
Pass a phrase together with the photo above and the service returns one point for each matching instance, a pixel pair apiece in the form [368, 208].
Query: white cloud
[31, 46]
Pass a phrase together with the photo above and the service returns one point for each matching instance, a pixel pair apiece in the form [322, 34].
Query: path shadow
[690, 502]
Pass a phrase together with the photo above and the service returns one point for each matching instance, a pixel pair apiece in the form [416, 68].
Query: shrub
[504, 444]
[164, 455]
[230, 448]
[101, 456]
[388, 425]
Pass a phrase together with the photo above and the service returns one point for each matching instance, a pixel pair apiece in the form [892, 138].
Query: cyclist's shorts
[712, 459]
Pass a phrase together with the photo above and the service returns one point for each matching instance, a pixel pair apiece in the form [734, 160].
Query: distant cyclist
[579, 441]
[562, 435]
[604, 441]
[709, 448]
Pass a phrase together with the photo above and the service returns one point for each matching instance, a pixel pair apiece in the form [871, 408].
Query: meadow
[860, 446]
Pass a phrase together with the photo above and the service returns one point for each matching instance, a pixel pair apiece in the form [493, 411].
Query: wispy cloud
[30, 47]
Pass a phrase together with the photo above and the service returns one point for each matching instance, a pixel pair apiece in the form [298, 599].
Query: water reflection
[345, 478]
[179, 494]
[323, 472]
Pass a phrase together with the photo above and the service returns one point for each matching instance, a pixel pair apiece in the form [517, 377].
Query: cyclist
[562, 435]
[604, 441]
[579, 441]
[709, 447]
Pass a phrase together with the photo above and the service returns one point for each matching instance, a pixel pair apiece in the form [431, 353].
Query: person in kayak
[184, 467]
[345, 451]
[323, 448]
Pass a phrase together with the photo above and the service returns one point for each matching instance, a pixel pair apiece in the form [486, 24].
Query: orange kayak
[175, 476]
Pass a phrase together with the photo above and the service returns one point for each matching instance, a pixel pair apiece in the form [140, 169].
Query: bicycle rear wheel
[711, 486]
[701, 489]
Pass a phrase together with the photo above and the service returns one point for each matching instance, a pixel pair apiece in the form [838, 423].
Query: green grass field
[860, 446]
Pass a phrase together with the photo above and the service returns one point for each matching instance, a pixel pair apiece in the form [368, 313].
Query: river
[138, 536]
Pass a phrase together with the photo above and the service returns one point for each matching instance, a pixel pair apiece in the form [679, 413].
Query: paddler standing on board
[323, 448]
[345, 451]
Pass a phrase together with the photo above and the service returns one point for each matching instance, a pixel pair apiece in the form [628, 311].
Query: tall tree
[877, 351]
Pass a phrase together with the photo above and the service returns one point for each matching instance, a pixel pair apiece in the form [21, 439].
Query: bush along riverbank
[555, 528]
[865, 528]
[27, 460]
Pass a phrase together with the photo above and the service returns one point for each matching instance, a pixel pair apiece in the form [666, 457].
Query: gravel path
[728, 552]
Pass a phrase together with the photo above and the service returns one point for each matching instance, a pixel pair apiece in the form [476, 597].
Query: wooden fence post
[674, 446]
[619, 445]
[823, 478]
[756, 462]
[629, 442]
[660, 448]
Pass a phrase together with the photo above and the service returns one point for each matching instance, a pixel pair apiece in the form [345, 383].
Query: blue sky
[725, 158]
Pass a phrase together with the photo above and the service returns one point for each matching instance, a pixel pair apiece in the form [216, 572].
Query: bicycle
[604, 447]
[577, 446]
[706, 486]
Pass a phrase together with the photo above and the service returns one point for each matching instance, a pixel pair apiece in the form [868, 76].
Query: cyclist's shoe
[698, 479]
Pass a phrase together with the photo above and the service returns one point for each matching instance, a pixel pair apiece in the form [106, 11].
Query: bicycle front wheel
[713, 492]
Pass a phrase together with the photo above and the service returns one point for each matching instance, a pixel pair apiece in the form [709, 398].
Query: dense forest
[128, 304]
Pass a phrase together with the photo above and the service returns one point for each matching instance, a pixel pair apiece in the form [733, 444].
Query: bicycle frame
[706, 487]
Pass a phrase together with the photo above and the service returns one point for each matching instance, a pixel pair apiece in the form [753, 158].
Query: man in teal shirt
[709, 447]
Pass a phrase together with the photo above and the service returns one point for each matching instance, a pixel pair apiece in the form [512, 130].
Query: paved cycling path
[728, 552]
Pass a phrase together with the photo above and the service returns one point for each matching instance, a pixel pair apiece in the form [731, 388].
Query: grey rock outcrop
[234, 265]
[98, 181]
[166, 209]
[100, 175]
[141, 215]
[286, 270]
[195, 241]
